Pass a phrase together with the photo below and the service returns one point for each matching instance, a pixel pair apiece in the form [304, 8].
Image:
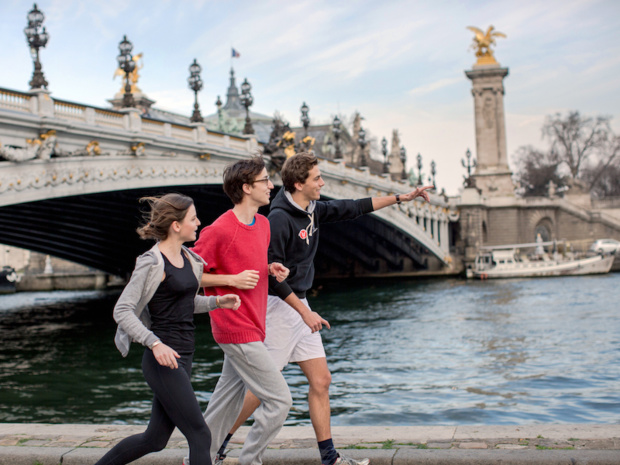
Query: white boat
[508, 262]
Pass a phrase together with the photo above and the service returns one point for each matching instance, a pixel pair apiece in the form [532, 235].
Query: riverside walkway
[45, 444]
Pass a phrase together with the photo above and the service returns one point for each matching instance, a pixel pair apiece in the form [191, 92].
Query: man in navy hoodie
[292, 329]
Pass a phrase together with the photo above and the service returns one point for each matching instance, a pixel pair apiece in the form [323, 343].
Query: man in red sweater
[235, 249]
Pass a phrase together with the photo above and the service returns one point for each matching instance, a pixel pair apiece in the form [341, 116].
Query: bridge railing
[14, 100]
[40, 103]
[427, 221]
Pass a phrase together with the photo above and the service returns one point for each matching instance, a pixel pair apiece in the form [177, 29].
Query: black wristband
[398, 199]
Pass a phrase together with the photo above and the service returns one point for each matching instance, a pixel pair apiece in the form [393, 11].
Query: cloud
[433, 86]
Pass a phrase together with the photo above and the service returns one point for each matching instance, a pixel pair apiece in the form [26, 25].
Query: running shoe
[342, 460]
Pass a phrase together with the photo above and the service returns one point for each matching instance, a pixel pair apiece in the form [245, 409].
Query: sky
[400, 64]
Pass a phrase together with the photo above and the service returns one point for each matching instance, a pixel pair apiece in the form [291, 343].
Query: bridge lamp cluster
[469, 165]
[37, 38]
[247, 100]
[384, 151]
[433, 172]
[403, 159]
[128, 65]
[195, 83]
[305, 119]
[337, 131]
[361, 140]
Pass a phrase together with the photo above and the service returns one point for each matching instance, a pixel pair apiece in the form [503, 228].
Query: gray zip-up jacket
[131, 312]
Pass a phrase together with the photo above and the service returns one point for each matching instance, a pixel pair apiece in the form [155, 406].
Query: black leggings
[174, 404]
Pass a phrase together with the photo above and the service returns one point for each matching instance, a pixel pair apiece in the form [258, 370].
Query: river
[406, 352]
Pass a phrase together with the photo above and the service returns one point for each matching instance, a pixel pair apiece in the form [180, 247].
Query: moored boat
[508, 262]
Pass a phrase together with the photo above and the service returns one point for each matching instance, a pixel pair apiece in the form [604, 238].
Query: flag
[235, 54]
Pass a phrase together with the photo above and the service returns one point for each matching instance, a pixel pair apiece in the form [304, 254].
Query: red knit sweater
[230, 247]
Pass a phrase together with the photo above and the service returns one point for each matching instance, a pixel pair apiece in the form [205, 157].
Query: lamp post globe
[35, 16]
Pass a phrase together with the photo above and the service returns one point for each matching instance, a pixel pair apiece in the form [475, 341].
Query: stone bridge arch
[74, 193]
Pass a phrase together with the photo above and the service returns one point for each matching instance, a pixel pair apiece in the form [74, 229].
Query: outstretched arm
[381, 202]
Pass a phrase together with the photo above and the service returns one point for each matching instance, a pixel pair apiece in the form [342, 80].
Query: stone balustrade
[40, 103]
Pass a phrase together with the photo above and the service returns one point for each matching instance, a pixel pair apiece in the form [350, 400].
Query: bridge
[71, 176]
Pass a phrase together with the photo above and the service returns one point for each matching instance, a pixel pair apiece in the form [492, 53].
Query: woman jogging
[167, 279]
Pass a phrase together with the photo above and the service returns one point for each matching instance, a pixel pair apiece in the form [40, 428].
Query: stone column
[492, 175]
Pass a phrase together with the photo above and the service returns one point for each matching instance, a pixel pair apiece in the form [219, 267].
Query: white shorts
[287, 338]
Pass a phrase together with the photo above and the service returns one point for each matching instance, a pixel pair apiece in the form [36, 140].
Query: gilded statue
[482, 44]
[133, 76]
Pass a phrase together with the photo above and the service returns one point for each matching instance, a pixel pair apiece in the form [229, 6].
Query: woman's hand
[230, 301]
[166, 356]
[279, 271]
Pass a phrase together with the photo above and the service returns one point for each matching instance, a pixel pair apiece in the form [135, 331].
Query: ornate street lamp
[247, 100]
[37, 38]
[384, 151]
[469, 181]
[420, 180]
[433, 171]
[218, 104]
[126, 63]
[305, 120]
[195, 83]
[362, 143]
[403, 160]
[337, 131]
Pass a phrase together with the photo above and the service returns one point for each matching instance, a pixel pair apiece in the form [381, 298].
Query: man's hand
[166, 356]
[418, 192]
[279, 271]
[247, 279]
[314, 321]
[230, 301]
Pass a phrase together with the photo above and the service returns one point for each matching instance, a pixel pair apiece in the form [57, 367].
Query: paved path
[43, 444]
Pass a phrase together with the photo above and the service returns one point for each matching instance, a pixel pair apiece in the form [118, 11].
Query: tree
[603, 178]
[580, 148]
[535, 169]
[576, 139]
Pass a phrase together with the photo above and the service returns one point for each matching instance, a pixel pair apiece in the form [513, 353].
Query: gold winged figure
[133, 76]
[482, 44]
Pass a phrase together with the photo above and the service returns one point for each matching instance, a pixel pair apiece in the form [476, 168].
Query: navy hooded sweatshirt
[295, 237]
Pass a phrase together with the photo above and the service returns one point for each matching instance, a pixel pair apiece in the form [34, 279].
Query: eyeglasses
[265, 180]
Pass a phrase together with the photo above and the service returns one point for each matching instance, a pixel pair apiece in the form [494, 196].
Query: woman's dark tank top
[172, 307]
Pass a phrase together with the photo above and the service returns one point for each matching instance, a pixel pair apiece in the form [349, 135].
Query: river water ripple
[414, 352]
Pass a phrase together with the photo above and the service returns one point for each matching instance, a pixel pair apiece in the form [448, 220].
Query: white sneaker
[342, 460]
[185, 460]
